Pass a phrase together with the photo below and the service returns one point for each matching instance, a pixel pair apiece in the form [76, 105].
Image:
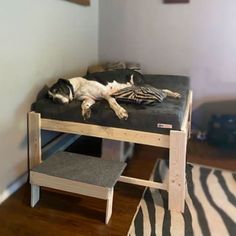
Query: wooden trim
[176, 1]
[68, 185]
[34, 132]
[153, 139]
[12, 188]
[142, 182]
[81, 2]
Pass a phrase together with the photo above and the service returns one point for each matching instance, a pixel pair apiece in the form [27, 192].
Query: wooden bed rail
[153, 139]
[187, 115]
[142, 182]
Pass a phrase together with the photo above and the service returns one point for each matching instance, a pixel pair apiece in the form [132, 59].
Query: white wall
[196, 39]
[39, 42]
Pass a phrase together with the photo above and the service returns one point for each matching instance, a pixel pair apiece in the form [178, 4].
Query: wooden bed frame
[176, 142]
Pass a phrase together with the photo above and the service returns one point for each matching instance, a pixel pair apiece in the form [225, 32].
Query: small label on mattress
[164, 126]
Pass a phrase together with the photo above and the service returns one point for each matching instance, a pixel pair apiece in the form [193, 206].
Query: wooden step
[79, 174]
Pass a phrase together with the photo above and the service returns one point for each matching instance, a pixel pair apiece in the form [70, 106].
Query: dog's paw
[122, 114]
[177, 95]
[86, 113]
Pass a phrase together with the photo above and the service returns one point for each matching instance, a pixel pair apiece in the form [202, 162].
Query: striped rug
[210, 207]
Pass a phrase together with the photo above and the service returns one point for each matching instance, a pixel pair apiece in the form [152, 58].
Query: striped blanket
[210, 207]
[145, 95]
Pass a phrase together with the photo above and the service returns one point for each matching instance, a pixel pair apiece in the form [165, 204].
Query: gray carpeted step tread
[82, 168]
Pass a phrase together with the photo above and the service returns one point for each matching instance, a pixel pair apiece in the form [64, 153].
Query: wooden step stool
[79, 174]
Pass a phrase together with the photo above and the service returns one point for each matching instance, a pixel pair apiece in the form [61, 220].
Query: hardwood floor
[202, 153]
[64, 214]
[60, 214]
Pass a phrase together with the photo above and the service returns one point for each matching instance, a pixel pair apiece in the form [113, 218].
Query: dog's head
[61, 91]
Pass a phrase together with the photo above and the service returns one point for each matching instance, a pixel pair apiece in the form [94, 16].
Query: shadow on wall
[14, 142]
[13, 135]
[202, 115]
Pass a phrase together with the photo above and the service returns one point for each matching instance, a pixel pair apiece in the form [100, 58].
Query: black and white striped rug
[210, 207]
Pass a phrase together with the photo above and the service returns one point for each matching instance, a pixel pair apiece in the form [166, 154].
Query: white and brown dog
[88, 91]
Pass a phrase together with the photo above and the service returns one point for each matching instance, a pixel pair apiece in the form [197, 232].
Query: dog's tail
[135, 78]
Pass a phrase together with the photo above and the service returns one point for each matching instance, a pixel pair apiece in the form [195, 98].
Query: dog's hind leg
[171, 94]
[119, 110]
[86, 107]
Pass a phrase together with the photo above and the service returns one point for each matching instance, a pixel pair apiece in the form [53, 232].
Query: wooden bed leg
[35, 194]
[34, 133]
[177, 166]
[109, 205]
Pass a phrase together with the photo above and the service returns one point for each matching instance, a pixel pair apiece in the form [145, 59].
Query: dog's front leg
[119, 110]
[86, 107]
[171, 94]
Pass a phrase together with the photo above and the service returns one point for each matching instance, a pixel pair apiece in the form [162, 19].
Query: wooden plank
[68, 185]
[142, 182]
[184, 125]
[35, 194]
[177, 165]
[148, 138]
[34, 137]
[109, 205]
[177, 160]
[81, 2]
[190, 114]
[176, 1]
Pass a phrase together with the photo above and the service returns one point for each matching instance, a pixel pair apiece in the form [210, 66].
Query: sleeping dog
[88, 91]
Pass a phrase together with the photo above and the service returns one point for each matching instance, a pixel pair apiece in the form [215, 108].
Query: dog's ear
[63, 81]
[66, 82]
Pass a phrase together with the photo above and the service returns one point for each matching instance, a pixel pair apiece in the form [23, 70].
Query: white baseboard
[13, 187]
[58, 144]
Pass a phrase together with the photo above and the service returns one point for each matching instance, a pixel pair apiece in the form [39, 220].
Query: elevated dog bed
[165, 124]
[161, 117]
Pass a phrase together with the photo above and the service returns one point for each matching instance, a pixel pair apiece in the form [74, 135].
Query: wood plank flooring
[63, 214]
[60, 214]
[202, 153]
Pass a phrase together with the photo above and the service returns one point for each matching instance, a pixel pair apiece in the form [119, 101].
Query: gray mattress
[143, 118]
